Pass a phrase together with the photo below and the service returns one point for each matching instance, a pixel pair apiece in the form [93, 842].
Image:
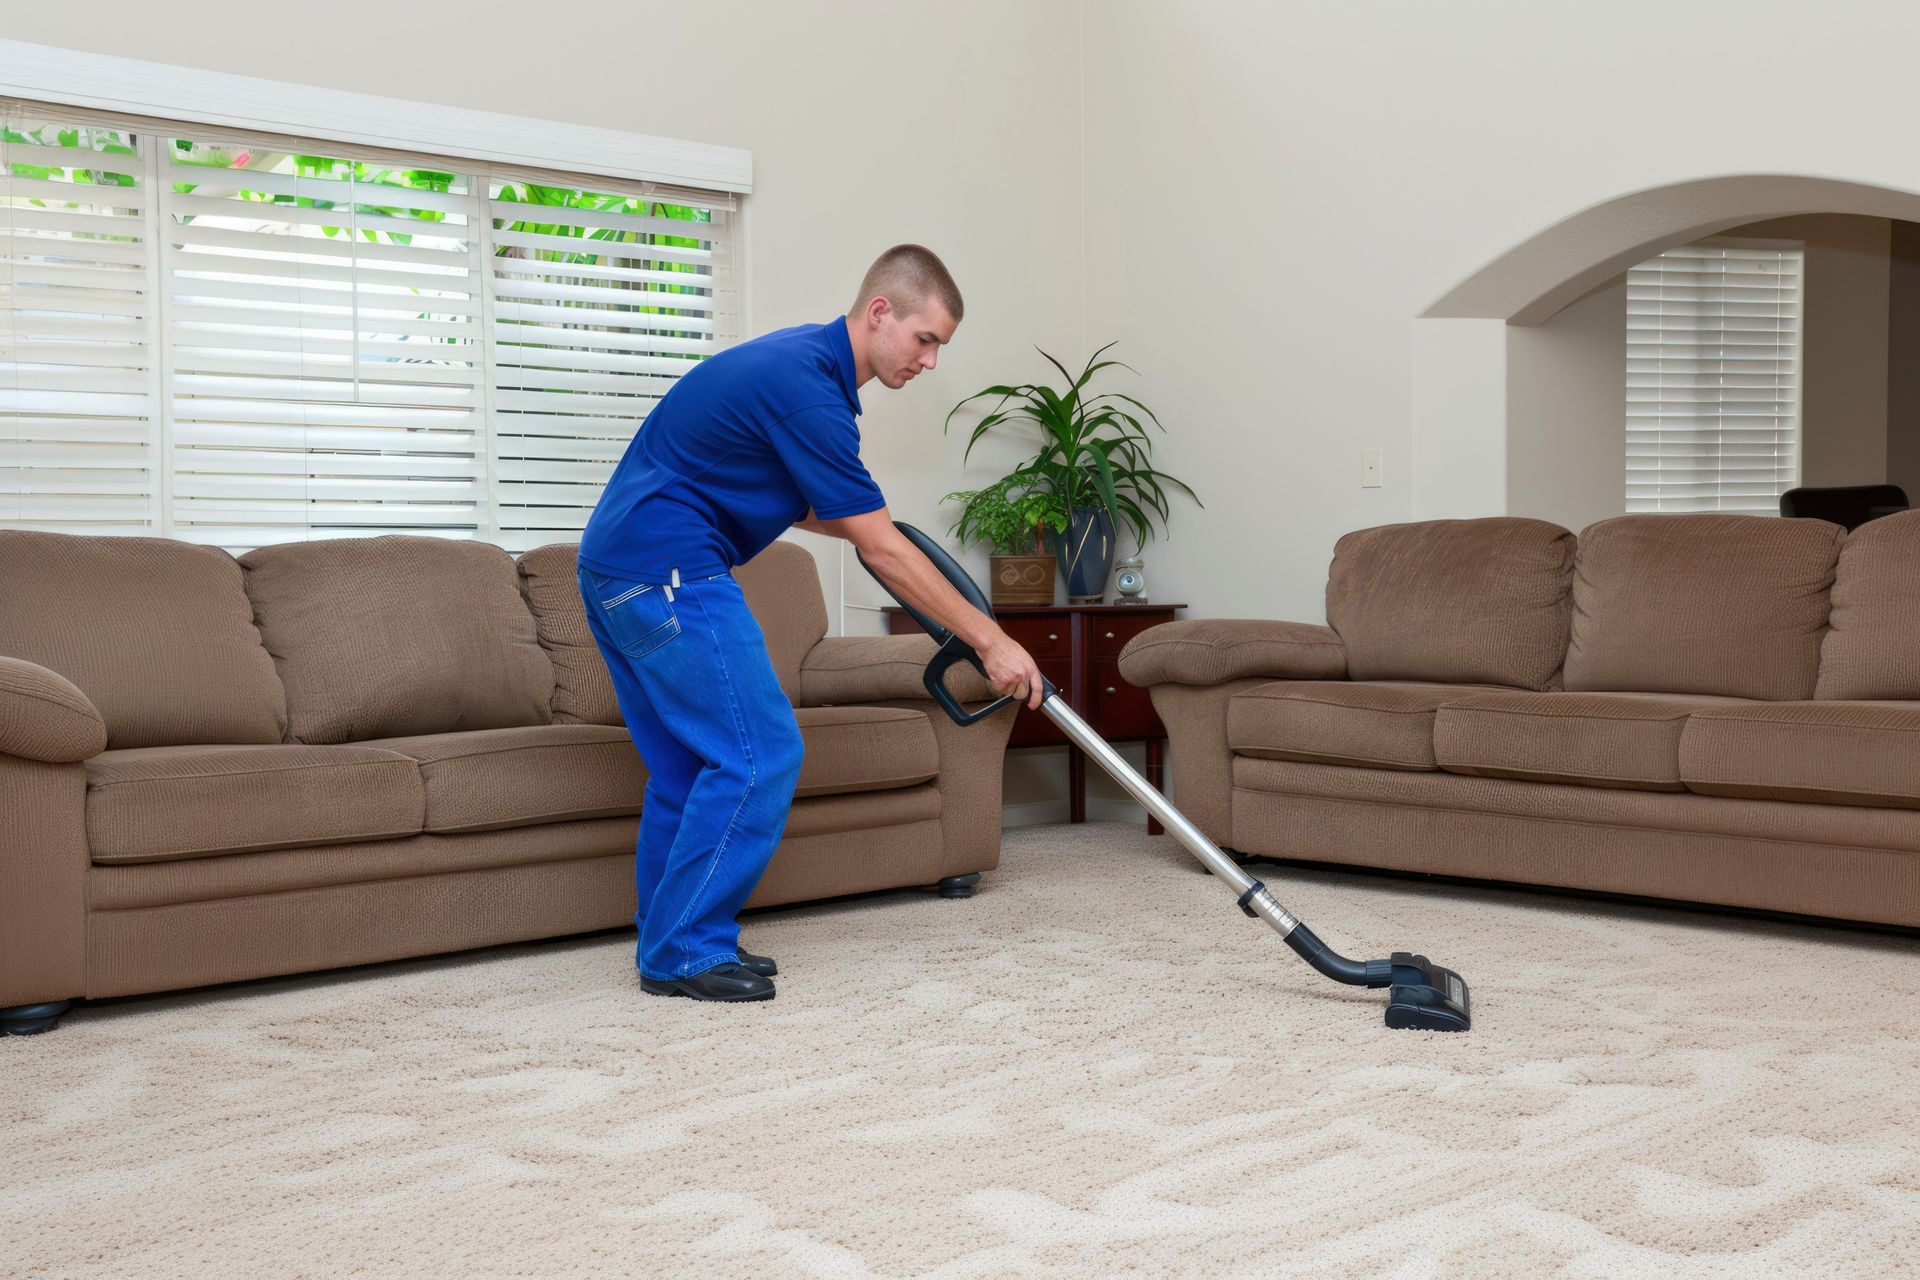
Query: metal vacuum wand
[1424, 996]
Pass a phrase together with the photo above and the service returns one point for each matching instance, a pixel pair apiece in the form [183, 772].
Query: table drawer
[1110, 634]
[1119, 709]
[1042, 637]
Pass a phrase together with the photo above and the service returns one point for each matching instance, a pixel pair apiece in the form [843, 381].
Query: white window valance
[223, 107]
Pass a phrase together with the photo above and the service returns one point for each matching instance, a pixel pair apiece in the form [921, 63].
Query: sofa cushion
[158, 804]
[485, 779]
[521, 777]
[1627, 740]
[1873, 647]
[781, 586]
[1455, 601]
[582, 689]
[398, 636]
[1378, 725]
[1723, 604]
[864, 749]
[157, 634]
[1851, 753]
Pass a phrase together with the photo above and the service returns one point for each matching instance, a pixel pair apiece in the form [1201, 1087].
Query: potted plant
[1013, 518]
[1095, 460]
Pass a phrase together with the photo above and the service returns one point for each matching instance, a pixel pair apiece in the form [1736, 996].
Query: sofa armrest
[886, 671]
[1207, 651]
[849, 669]
[44, 717]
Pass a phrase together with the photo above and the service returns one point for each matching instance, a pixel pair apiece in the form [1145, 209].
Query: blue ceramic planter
[1085, 552]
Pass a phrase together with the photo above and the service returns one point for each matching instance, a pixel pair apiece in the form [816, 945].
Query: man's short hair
[908, 276]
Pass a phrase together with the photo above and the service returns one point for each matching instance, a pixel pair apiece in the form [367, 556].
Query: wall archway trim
[1535, 279]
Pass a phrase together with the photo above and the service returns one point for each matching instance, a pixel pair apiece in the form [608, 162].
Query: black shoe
[722, 982]
[762, 965]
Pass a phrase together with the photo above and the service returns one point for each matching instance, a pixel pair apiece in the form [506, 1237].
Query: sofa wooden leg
[958, 886]
[32, 1019]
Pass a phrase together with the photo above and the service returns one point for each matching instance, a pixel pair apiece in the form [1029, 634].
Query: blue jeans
[722, 751]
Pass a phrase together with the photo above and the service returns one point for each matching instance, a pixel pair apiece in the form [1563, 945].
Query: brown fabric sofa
[1714, 708]
[333, 753]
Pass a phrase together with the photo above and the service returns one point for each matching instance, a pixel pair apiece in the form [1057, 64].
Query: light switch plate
[1369, 468]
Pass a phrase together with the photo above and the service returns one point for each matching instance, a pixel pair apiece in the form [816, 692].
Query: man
[748, 443]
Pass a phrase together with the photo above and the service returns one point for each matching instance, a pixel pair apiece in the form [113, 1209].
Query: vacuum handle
[952, 648]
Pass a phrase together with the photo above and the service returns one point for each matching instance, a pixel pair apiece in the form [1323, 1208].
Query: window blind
[79, 431]
[598, 304]
[1713, 359]
[295, 342]
[323, 328]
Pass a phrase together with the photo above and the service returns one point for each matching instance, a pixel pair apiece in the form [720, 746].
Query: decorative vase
[1022, 579]
[1085, 552]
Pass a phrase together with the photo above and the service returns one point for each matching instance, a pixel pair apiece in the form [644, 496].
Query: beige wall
[1566, 379]
[1566, 412]
[1843, 405]
[1903, 360]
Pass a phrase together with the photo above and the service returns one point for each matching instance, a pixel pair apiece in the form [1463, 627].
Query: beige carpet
[1095, 1067]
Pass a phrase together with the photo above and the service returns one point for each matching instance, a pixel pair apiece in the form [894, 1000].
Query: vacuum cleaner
[1421, 995]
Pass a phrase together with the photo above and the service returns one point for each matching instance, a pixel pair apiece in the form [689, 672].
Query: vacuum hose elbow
[1357, 973]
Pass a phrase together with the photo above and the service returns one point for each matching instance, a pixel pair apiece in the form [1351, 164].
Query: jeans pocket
[638, 615]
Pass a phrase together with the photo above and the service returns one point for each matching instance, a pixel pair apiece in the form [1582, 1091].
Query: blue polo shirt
[732, 455]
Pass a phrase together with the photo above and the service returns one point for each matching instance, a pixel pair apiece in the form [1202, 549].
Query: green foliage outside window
[597, 244]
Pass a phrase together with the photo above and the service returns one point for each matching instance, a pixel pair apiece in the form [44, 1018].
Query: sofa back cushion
[782, 587]
[157, 633]
[1722, 604]
[1456, 601]
[1872, 650]
[781, 584]
[582, 689]
[392, 636]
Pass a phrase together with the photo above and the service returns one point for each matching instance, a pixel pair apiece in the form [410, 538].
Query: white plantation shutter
[598, 305]
[79, 431]
[1713, 359]
[263, 339]
[324, 335]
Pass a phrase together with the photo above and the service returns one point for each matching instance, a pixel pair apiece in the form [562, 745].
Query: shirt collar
[841, 343]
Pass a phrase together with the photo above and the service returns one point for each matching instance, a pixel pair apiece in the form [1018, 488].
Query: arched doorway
[1471, 346]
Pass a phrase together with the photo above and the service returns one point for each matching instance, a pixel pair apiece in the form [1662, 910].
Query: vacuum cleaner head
[1426, 997]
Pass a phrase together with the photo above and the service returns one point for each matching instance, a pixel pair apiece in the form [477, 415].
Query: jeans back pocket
[638, 614]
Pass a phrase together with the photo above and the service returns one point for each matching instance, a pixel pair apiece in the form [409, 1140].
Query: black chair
[1851, 505]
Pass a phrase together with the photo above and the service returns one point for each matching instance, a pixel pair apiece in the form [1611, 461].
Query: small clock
[1130, 581]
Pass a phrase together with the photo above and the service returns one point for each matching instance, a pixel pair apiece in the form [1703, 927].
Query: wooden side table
[1078, 648]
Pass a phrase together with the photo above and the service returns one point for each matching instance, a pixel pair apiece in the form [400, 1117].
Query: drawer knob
[1111, 691]
[1109, 635]
[1052, 635]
